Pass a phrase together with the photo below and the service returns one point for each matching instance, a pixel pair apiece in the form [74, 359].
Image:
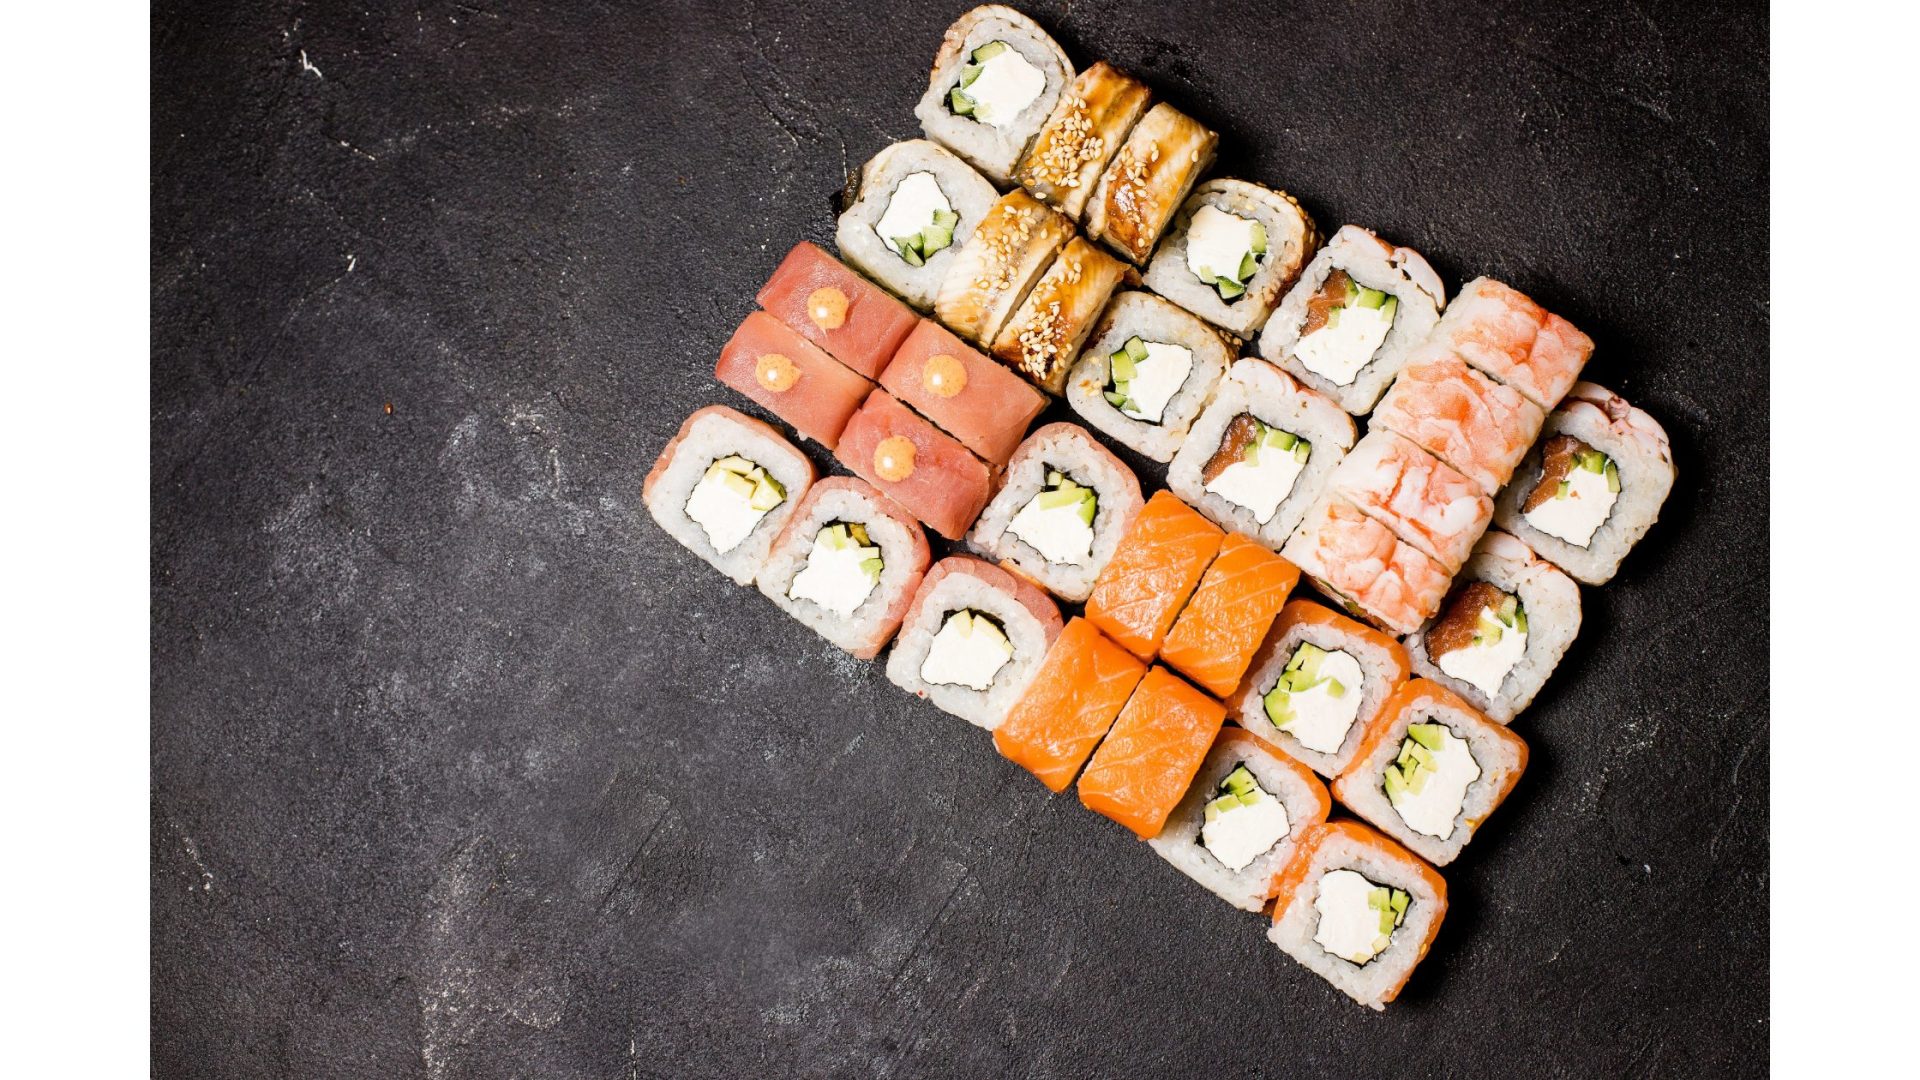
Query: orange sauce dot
[893, 459]
[775, 372]
[827, 307]
[943, 376]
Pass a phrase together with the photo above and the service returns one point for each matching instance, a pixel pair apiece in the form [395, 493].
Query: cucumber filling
[1345, 325]
[1225, 250]
[1427, 781]
[1144, 376]
[1256, 466]
[1317, 697]
[841, 570]
[1481, 638]
[1576, 493]
[1357, 917]
[919, 221]
[1058, 521]
[969, 651]
[996, 85]
[731, 499]
[1243, 821]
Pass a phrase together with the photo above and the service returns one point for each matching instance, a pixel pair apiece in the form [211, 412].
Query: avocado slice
[1239, 781]
[1258, 238]
[1564, 489]
[946, 219]
[970, 73]
[1228, 288]
[734, 463]
[1613, 478]
[1058, 497]
[1136, 348]
[1307, 653]
[962, 622]
[734, 482]
[1124, 366]
[1117, 399]
[1277, 439]
[960, 102]
[1399, 901]
[858, 532]
[984, 627]
[988, 51]
[1371, 299]
[767, 494]
[834, 536]
[1391, 308]
[1278, 706]
[873, 567]
[1379, 898]
[909, 252]
[1395, 784]
[1427, 735]
[1520, 621]
[1249, 263]
[1336, 688]
[1302, 450]
[1509, 607]
[1089, 505]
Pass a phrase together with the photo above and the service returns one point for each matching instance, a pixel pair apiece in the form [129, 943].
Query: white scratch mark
[306, 65]
[351, 261]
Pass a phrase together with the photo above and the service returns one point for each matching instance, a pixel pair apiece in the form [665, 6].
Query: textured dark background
[462, 768]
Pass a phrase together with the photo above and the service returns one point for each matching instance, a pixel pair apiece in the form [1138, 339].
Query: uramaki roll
[1147, 180]
[994, 82]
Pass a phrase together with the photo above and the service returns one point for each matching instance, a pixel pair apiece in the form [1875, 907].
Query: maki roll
[1143, 186]
[1504, 333]
[1317, 684]
[857, 322]
[1061, 510]
[1150, 369]
[1234, 249]
[911, 462]
[1423, 500]
[1360, 307]
[1237, 825]
[1358, 910]
[995, 80]
[1261, 452]
[1149, 758]
[1478, 426]
[1156, 568]
[973, 640]
[1045, 334]
[1215, 636]
[976, 400]
[1431, 770]
[846, 565]
[724, 487]
[791, 377]
[914, 205]
[1593, 486]
[1360, 563]
[1069, 706]
[1504, 627]
[1084, 132]
[999, 264]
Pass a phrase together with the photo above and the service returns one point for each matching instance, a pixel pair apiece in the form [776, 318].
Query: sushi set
[1435, 470]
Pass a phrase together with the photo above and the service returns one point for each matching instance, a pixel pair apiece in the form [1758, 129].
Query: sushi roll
[1069, 705]
[1150, 756]
[1147, 582]
[1261, 451]
[1360, 563]
[1317, 684]
[999, 264]
[913, 206]
[1150, 369]
[791, 377]
[1084, 132]
[1145, 183]
[1045, 334]
[724, 487]
[1502, 332]
[1061, 510]
[995, 81]
[1431, 770]
[1360, 307]
[1238, 824]
[1234, 250]
[911, 462]
[1592, 487]
[1358, 910]
[1216, 634]
[857, 322]
[1422, 499]
[1480, 427]
[973, 640]
[846, 565]
[972, 398]
[1504, 627]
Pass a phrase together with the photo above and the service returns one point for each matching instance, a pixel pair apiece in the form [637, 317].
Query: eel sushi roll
[846, 565]
[973, 640]
[1592, 487]
[1504, 627]
[857, 322]
[1358, 910]
[791, 377]
[915, 205]
[1234, 249]
[1317, 684]
[995, 81]
[1084, 132]
[1261, 451]
[1150, 577]
[1063, 505]
[1422, 499]
[1480, 427]
[1431, 770]
[1502, 332]
[1237, 826]
[1045, 334]
[1360, 563]
[999, 264]
[1150, 369]
[724, 487]
[1359, 309]
[974, 399]
[1069, 705]
[1216, 634]
[1150, 756]
[916, 465]
[1145, 183]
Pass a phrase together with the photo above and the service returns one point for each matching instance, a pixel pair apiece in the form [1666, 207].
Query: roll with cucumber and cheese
[847, 565]
[1085, 131]
[1150, 368]
[1144, 184]
[973, 640]
[1234, 249]
[724, 487]
[914, 205]
[1063, 505]
[1316, 685]
[1240, 821]
[995, 80]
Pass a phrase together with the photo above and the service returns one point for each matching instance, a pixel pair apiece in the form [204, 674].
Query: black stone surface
[462, 768]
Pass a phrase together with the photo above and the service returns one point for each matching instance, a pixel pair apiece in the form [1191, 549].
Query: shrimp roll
[791, 377]
[1150, 756]
[1480, 427]
[1317, 683]
[1145, 183]
[1504, 627]
[1216, 634]
[1155, 570]
[916, 465]
[1069, 706]
[1360, 563]
[999, 264]
[995, 80]
[1592, 487]
[857, 322]
[1423, 500]
[914, 205]
[1503, 333]
[1083, 134]
[973, 640]
[1431, 770]
[1238, 824]
[1045, 334]
[1260, 453]
[1063, 505]
[724, 487]
[1150, 368]
[976, 400]
[1358, 910]
[846, 565]
[1359, 309]
[1234, 250]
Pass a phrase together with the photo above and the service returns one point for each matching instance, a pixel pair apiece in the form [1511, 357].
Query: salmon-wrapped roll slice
[1358, 560]
[791, 377]
[1150, 757]
[1426, 502]
[915, 465]
[847, 565]
[1214, 638]
[1158, 565]
[1083, 134]
[1317, 683]
[857, 322]
[973, 398]
[1070, 704]
[999, 264]
[1499, 330]
[1045, 334]
[973, 640]
[1239, 822]
[1462, 417]
[1148, 179]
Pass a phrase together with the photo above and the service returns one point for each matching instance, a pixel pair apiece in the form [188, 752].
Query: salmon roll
[973, 640]
[724, 487]
[1063, 505]
[972, 398]
[791, 377]
[1234, 250]
[1592, 487]
[1462, 417]
[1238, 824]
[995, 80]
[999, 264]
[913, 205]
[1358, 910]
[1147, 582]
[1431, 770]
[1216, 634]
[1359, 310]
[1261, 452]
[1508, 620]
[1360, 563]
[1426, 502]
[1145, 183]
[911, 462]
[857, 322]
[1069, 705]
[1084, 133]
[1150, 756]
[846, 565]
[1045, 334]
[1502, 332]
[1148, 372]
[1317, 684]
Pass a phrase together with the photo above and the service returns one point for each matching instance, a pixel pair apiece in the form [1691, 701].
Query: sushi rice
[1063, 505]
[724, 487]
[1173, 362]
[821, 569]
[916, 205]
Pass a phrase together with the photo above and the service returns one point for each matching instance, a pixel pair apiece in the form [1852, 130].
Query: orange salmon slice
[1150, 757]
[1149, 579]
[1067, 709]
[1214, 639]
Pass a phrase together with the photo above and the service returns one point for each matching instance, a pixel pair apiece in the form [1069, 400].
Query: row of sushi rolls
[1446, 539]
